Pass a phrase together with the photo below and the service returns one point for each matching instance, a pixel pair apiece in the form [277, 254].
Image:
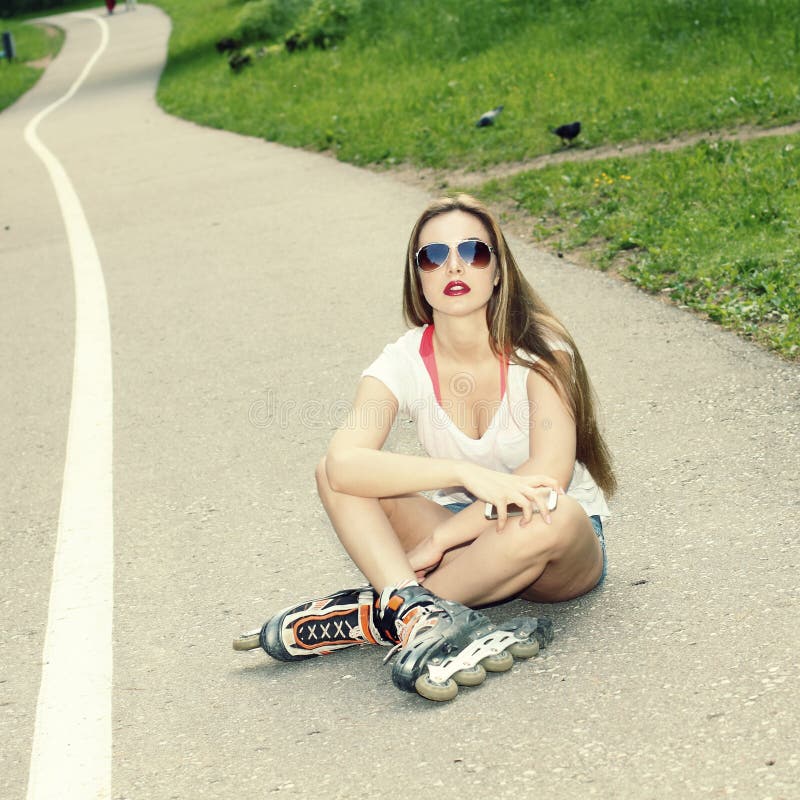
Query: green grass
[411, 77]
[715, 227]
[32, 43]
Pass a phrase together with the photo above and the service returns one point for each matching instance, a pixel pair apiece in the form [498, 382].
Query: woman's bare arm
[553, 437]
[355, 463]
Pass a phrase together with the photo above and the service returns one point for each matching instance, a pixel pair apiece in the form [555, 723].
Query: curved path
[246, 286]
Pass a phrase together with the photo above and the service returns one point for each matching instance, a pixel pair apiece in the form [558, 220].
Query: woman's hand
[425, 557]
[529, 492]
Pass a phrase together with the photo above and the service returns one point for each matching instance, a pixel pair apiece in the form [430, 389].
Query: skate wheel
[474, 676]
[248, 641]
[500, 662]
[440, 692]
[524, 650]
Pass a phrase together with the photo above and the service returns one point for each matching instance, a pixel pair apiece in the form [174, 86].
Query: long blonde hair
[523, 329]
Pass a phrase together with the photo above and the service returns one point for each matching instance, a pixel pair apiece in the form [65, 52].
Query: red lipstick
[455, 288]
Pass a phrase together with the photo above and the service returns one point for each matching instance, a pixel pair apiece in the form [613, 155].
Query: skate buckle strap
[391, 653]
[417, 620]
[490, 645]
[404, 639]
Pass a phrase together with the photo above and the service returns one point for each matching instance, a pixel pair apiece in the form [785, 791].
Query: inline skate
[317, 627]
[439, 645]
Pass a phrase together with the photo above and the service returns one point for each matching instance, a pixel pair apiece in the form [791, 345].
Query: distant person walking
[110, 5]
[130, 5]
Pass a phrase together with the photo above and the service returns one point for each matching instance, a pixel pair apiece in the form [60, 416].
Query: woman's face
[455, 288]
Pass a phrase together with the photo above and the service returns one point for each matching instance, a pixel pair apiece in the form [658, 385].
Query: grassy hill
[406, 80]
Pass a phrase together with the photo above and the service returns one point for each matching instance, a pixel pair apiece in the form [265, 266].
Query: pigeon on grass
[567, 132]
[489, 117]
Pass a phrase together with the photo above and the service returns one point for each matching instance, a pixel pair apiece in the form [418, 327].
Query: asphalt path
[247, 286]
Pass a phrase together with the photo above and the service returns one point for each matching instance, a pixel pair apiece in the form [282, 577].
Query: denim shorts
[597, 524]
[456, 507]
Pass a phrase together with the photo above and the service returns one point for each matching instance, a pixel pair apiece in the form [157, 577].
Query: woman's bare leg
[539, 562]
[364, 529]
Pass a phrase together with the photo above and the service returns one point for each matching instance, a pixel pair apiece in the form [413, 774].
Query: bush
[323, 24]
[268, 20]
[298, 23]
[9, 8]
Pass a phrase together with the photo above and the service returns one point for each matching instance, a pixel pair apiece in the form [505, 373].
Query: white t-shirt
[505, 443]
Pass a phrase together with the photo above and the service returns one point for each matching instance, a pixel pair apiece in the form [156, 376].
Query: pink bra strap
[429, 360]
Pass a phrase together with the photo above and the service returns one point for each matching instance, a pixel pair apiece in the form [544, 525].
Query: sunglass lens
[432, 256]
[475, 253]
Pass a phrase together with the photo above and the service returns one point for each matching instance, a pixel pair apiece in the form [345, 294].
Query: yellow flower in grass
[603, 180]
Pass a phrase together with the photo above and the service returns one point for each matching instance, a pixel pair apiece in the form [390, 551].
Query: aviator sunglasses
[473, 252]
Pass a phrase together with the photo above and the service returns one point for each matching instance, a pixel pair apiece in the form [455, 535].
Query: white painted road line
[71, 754]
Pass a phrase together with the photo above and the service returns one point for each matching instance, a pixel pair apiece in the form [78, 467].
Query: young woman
[504, 409]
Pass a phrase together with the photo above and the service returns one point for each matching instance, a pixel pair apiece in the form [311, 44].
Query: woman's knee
[537, 544]
[539, 540]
